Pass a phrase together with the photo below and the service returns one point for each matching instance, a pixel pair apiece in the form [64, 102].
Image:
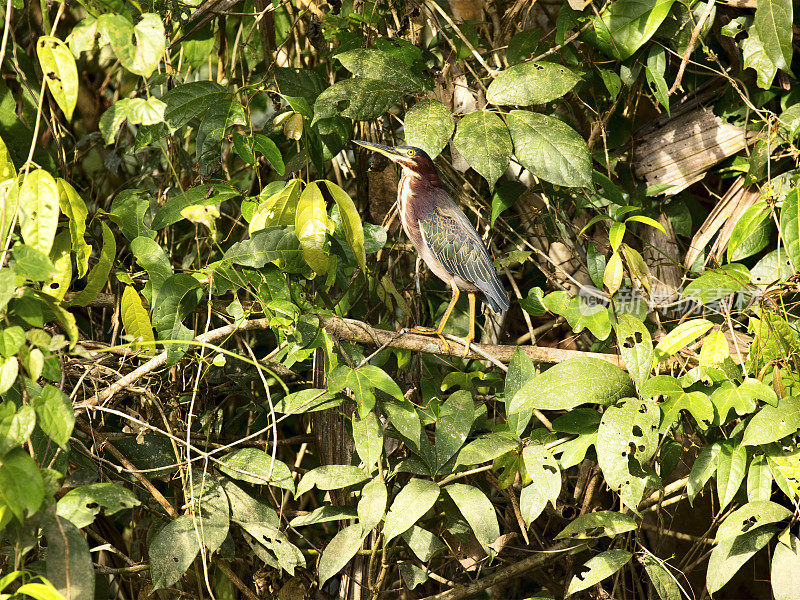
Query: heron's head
[410, 158]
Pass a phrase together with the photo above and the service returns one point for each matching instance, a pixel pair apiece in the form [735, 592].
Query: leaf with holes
[485, 143]
[597, 524]
[143, 55]
[370, 63]
[59, 71]
[750, 516]
[636, 348]
[82, 504]
[39, 210]
[531, 83]
[597, 569]
[358, 98]
[545, 483]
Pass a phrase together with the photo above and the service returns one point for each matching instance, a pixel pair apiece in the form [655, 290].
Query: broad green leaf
[683, 335]
[129, 210]
[453, 425]
[731, 469]
[59, 71]
[299, 82]
[172, 302]
[331, 477]
[486, 448]
[211, 510]
[715, 284]
[597, 569]
[520, 371]
[82, 504]
[311, 226]
[654, 73]
[612, 275]
[636, 347]
[15, 427]
[39, 591]
[323, 514]
[790, 225]
[54, 414]
[626, 25]
[545, 483]
[278, 244]
[136, 321]
[97, 278]
[351, 223]
[172, 551]
[750, 516]
[137, 111]
[21, 487]
[531, 83]
[772, 423]
[73, 206]
[9, 198]
[714, 350]
[785, 569]
[372, 505]
[214, 123]
[32, 264]
[751, 233]
[504, 197]
[705, 465]
[773, 22]
[278, 208]
[368, 438]
[69, 564]
[152, 258]
[628, 434]
[270, 151]
[358, 98]
[202, 195]
[143, 55]
[478, 511]
[597, 524]
[579, 314]
[257, 467]
[485, 143]
[755, 55]
[759, 479]
[307, 400]
[730, 555]
[410, 504]
[370, 63]
[38, 210]
[428, 125]
[550, 149]
[663, 581]
[574, 382]
[523, 45]
[616, 231]
[423, 543]
[775, 338]
[339, 551]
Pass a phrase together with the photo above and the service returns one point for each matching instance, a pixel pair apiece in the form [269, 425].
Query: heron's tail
[494, 294]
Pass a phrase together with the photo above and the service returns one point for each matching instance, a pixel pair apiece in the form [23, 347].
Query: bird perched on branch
[443, 236]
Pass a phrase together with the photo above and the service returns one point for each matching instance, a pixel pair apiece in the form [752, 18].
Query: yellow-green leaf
[74, 207]
[636, 266]
[38, 208]
[715, 349]
[277, 209]
[59, 71]
[98, 276]
[65, 318]
[7, 170]
[612, 277]
[681, 336]
[62, 260]
[136, 320]
[311, 226]
[351, 223]
[9, 201]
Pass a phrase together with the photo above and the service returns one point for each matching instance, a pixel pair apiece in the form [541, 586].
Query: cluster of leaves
[198, 219]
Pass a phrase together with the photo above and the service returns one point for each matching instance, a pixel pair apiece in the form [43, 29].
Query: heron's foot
[419, 330]
[467, 342]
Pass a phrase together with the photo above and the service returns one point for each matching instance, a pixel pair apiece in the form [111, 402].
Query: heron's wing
[453, 241]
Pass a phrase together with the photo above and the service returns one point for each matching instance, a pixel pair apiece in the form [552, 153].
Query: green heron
[443, 236]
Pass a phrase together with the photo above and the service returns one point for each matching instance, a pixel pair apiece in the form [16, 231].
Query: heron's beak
[387, 151]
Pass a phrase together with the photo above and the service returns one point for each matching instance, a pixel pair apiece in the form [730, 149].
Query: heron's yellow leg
[438, 331]
[471, 334]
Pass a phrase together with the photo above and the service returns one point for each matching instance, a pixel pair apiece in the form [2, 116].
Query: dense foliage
[207, 384]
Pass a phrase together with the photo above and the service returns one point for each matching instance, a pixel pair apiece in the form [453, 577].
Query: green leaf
[54, 415]
[423, 543]
[755, 55]
[268, 245]
[579, 314]
[39, 591]
[153, 259]
[216, 120]
[368, 438]
[32, 264]
[372, 505]
[730, 555]
[751, 233]
[69, 564]
[550, 149]
[277, 208]
[731, 468]
[574, 382]
[61, 258]
[545, 483]
[483, 140]
[351, 223]
[311, 225]
[597, 569]
[339, 551]
[211, 511]
[759, 479]
[128, 211]
[773, 23]
[410, 504]
[270, 151]
[663, 581]
[15, 427]
[505, 195]
[82, 504]
[626, 25]
[771, 423]
[453, 425]
[790, 227]
[136, 321]
[378, 65]
[357, 98]
[73, 206]
[172, 551]
[137, 111]
[705, 465]
[362, 381]
[323, 514]
[202, 195]
[143, 55]
[520, 371]
[21, 486]
[299, 82]
[59, 71]
[750, 516]
[531, 83]
[331, 477]
[257, 467]
[785, 569]
[97, 278]
[654, 73]
[38, 210]
[636, 347]
[478, 511]
[486, 448]
[172, 302]
[628, 434]
[597, 524]
[307, 400]
[683, 335]
[428, 125]
[715, 284]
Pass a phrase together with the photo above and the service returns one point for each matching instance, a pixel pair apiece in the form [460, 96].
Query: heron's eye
[410, 152]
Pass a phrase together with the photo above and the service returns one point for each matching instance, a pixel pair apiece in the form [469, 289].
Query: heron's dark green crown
[410, 158]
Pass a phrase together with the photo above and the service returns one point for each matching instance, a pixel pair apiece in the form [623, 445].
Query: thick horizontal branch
[351, 330]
